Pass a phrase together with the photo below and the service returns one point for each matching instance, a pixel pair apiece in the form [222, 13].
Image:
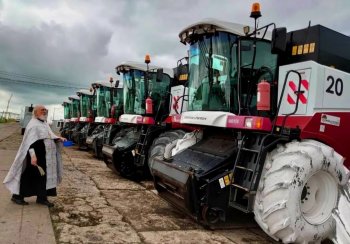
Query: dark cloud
[78, 42]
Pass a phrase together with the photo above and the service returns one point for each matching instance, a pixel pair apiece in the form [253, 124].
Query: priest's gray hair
[36, 110]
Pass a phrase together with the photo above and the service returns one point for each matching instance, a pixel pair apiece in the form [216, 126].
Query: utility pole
[7, 108]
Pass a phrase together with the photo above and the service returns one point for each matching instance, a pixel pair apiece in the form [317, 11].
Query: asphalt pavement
[20, 224]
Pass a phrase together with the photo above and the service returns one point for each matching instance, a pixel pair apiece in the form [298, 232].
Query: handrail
[280, 100]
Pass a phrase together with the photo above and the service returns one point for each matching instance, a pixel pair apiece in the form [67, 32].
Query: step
[240, 187]
[239, 207]
[250, 150]
[244, 168]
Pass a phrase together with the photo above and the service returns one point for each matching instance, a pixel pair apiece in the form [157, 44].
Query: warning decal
[292, 92]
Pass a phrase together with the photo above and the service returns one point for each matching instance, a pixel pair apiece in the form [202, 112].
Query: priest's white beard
[43, 117]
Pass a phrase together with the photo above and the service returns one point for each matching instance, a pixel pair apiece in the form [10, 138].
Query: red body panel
[294, 121]
[147, 120]
[312, 127]
[89, 120]
[110, 120]
[258, 123]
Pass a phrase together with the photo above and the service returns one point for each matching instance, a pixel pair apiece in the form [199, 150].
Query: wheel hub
[319, 197]
[209, 215]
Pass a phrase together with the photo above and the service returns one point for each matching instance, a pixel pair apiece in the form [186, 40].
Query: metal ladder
[246, 171]
[139, 157]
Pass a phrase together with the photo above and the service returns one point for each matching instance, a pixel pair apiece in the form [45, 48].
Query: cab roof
[142, 67]
[107, 84]
[66, 102]
[102, 83]
[85, 92]
[74, 97]
[213, 25]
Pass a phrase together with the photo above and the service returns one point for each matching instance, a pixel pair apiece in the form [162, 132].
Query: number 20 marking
[335, 86]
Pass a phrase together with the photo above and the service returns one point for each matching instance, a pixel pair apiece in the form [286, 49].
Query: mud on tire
[298, 190]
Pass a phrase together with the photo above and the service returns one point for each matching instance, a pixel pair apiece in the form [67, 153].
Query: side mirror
[159, 77]
[116, 83]
[117, 70]
[30, 109]
[279, 40]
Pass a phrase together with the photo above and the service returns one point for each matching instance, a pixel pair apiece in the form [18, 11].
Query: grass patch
[3, 120]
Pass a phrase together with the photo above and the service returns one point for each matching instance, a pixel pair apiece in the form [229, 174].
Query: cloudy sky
[67, 44]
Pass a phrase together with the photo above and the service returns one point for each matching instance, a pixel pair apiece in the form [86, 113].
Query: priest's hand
[34, 161]
[62, 139]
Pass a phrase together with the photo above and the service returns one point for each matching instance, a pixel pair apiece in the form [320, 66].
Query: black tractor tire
[158, 146]
[298, 191]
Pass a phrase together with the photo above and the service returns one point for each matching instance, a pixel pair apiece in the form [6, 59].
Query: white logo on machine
[330, 120]
[195, 117]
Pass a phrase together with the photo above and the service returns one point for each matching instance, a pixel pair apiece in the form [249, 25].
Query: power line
[31, 77]
[8, 80]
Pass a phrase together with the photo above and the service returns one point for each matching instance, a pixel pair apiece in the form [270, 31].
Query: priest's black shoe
[19, 201]
[45, 202]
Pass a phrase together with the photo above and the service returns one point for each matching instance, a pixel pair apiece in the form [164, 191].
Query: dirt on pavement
[94, 205]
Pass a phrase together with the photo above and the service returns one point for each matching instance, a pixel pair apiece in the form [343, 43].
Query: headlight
[248, 122]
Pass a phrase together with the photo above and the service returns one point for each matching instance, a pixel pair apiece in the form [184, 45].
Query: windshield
[94, 104]
[213, 72]
[75, 108]
[209, 73]
[101, 94]
[106, 98]
[113, 97]
[158, 91]
[135, 90]
[117, 102]
[66, 111]
[107, 101]
[85, 105]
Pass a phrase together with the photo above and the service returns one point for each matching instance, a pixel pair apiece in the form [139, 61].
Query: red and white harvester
[273, 112]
